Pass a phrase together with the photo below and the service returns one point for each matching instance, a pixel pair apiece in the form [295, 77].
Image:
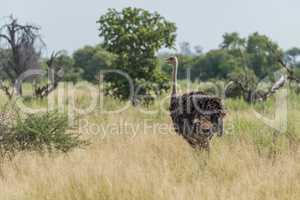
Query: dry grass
[152, 167]
[138, 164]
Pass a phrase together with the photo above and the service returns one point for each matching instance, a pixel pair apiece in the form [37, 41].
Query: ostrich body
[196, 116]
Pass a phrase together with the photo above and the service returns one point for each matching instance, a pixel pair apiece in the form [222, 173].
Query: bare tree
[20, 50]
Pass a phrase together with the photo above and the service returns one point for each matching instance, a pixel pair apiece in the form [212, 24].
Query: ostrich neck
[174, 79]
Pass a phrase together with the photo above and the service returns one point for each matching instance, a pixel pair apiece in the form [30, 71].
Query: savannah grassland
[249, 162]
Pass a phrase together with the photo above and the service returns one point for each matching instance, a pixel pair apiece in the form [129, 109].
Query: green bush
[38, 132]
[6, 139]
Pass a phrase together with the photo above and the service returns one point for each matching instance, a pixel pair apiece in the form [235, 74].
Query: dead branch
[6, 90]
[53, 77]
[291, 76]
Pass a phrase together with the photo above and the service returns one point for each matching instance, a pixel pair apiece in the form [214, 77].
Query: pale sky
[70, 24]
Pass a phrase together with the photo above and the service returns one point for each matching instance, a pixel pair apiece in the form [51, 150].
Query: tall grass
[251, 161]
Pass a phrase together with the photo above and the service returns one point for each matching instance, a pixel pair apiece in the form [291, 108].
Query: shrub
[38, 132]
[6, 139]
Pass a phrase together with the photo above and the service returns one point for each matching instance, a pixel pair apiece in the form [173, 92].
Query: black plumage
[196, 116]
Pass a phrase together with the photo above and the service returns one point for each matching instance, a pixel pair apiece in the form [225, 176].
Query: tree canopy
[89, 60]
[135, 35]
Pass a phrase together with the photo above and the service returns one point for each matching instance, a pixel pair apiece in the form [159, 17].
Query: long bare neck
[174, 79]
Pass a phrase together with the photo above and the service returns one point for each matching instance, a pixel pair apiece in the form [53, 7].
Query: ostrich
[196, 116]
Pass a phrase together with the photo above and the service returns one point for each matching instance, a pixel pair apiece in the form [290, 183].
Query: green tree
[261, 58]
[215, 64]
[256, 58]
[245, 81]
[255, 52]
[70, 73]
[232, 41]
[135, 35]
[89, 60]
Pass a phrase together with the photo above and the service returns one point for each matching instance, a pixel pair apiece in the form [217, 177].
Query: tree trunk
[18, 91]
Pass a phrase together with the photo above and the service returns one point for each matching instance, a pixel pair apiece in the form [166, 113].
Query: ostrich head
[173, 61]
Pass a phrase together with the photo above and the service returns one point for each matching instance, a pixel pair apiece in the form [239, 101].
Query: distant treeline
[131, 40]
[257, 54]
